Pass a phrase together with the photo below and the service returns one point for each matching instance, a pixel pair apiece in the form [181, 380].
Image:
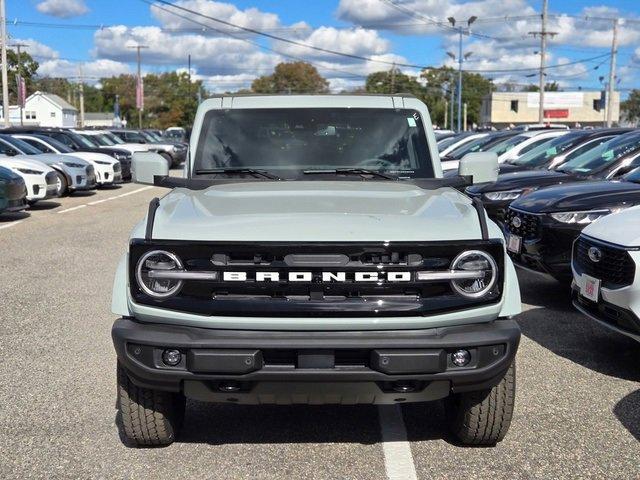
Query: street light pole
[461, 59]
[3, 59]
[139, 87]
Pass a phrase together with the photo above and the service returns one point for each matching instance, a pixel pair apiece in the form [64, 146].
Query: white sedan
[107, 169]
[606, 272]
[40, 180]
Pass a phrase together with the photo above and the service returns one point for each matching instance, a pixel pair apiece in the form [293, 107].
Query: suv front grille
[317, 295]
[615, 269]
[525, 225]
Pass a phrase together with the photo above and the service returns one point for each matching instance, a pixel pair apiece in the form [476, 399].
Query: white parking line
[72, 209]
[12, 224]
[97, 202]
[398, 461]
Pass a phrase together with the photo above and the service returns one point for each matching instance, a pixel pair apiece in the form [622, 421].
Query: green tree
[26, 66]
[440, 82]
[291, 77]
[631, 106]
[548, 87]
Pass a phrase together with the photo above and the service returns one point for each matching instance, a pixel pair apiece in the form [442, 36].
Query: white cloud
[39, 51]
[91, 71]
[62, 8]
[250, 18]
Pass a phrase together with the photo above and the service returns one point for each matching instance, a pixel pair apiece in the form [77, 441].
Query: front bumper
[550, 251]
[251, 367]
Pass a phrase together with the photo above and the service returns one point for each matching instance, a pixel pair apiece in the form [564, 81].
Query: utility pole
[465, 116]
[543, 52]
[446, 111]
[189, 77]
[18, 47]
[81, 97]
[3, 59]
[393, 78]
[453, 100]
[139, 87]
[461, 59]
[612, 74]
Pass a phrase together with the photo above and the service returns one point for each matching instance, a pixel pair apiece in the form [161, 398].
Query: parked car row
[42, 163]
[568, 202]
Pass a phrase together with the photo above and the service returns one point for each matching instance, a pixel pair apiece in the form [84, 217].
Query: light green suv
[313, 253]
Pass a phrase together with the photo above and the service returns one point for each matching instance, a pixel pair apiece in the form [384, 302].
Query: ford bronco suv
[314, 254]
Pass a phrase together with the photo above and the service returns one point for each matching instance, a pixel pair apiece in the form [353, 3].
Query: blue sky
[386, 31]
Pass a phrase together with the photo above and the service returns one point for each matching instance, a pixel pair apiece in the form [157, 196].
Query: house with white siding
[49, 110]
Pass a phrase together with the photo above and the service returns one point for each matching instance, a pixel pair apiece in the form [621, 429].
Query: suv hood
[93, 157]
[25, 161]
[315, 211]
[620, 228]
[579, 196]
[524, 179]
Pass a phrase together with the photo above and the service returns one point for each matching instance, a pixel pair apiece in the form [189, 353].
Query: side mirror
[146, 165]
[481, 166]
[11, 152]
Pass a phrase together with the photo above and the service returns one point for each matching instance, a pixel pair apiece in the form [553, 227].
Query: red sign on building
[557, 113]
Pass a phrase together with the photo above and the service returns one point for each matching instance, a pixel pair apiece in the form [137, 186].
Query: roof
[55, 99]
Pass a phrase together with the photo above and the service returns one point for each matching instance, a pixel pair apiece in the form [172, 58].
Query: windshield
[508, 144]
[147, 136]
[477, 145]
[442, 144]
[292, 140]
[633, 176]
[102, 140]
[133, 137]
[114, 138]
[603, 155]
[59, 146]
[22, 146]
[540, 155]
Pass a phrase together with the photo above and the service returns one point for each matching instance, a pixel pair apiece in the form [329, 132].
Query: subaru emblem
[516, 222]
[595, 254]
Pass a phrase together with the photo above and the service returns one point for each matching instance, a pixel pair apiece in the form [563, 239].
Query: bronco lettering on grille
[308, 276]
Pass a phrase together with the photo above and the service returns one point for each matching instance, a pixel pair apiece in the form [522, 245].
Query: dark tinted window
[292, 140]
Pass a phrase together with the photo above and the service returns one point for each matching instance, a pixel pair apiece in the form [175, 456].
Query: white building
[49, 110]
[99, 119]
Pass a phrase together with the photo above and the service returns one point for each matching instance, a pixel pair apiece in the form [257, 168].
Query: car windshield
[147, 136]
[508, 144]
[102, 140]
[80, 140]
[478, 145]
[21, 146]
[541, 154]
[294, 141]
[445, 143]
[59, 146]
[633, 176]
[603, 155]
[114, 138]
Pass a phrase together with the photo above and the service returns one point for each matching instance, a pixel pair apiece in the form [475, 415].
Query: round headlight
[151, 270]
[475, 261]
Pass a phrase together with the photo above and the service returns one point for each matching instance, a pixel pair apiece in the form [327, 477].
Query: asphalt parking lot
[577, 410]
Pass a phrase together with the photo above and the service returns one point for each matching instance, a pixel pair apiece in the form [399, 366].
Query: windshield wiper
[350, 171]
[231, 171]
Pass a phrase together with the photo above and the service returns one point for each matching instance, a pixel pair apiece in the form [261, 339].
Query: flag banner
[22, 91]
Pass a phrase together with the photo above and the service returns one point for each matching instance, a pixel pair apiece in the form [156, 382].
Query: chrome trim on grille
[182, 275]
[434, 276]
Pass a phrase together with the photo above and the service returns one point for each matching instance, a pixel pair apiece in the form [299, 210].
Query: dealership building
[502, 109]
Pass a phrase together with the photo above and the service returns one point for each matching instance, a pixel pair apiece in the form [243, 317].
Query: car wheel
[61, 185]
[483, 417]
[148, 417]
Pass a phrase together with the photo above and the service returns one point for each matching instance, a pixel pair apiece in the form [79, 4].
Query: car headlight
[102, 162]
[28, 171]
[586, 216]
[121, 156]
[505, 195]
[153, 274]
[484, 270]
[174, 148]
[73, 165]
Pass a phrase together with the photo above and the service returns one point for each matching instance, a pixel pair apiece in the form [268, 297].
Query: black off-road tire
[148, 417]
[483, 417]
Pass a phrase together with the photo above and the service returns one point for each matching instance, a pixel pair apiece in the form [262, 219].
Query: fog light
[171, 357]
[460, 358]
